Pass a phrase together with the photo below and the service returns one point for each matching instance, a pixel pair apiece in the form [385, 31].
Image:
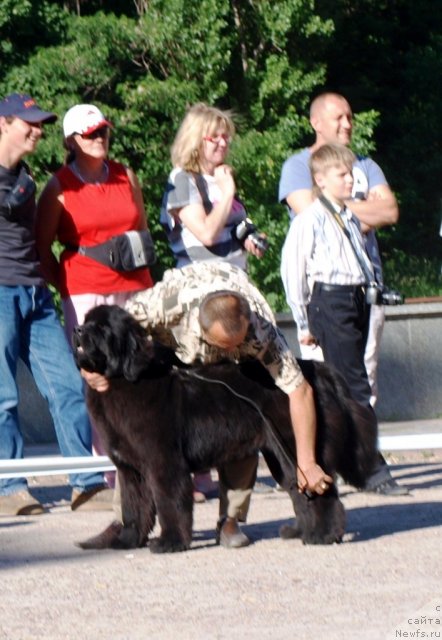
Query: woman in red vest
[86, 202]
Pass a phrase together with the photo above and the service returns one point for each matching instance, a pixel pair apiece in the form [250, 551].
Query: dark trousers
[339, 318]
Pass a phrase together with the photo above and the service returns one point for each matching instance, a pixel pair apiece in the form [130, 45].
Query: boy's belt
[344, 288]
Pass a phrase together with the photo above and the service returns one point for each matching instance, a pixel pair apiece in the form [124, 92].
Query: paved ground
[384, 581]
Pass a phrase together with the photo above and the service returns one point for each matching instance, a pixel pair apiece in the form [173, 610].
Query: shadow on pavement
[368, 523]
[363, 524]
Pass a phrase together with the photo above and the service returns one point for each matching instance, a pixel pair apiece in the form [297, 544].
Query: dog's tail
[350, 430]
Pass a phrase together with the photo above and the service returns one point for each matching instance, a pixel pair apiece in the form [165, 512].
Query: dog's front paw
[167, 545]
[104, 540]
[321, 537]
[290, 531]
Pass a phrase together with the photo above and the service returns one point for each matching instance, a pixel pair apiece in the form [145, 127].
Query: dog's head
[113, 343]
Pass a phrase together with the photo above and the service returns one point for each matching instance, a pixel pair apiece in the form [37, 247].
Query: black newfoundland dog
[161, 420]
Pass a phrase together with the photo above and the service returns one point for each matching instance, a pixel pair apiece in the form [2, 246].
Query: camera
[246, 229]
[378, 294]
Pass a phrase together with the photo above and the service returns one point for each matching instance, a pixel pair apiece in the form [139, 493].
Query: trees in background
[144, 62]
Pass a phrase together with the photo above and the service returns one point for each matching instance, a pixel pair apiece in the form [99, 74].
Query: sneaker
[388, 487]
[20, 503]
[98, 498]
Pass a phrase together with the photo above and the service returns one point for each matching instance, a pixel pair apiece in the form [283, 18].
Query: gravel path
[382, 582]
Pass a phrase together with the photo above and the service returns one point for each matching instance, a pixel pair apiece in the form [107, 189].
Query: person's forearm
[375, 213]
[310, 475]
[303, 416]
[50, 270]
[216, 221]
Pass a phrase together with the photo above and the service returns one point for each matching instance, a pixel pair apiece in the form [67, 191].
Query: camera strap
[359, 251]
[202, 188]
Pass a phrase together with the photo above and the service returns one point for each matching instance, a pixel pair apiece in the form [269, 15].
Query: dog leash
[273, 432]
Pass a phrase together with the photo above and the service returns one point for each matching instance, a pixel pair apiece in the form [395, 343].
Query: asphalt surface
[383, 581]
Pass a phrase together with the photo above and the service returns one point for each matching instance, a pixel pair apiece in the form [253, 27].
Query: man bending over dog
[208, 312]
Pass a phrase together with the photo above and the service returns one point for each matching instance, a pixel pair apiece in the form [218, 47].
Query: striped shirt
[317, 250]
[367, 175]
[169, 312]
[181, 191]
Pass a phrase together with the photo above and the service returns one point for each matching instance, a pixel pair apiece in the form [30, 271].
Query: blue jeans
[30, 330]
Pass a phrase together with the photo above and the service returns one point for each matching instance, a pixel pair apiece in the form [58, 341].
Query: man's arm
[49, 209]
[373, 201]
[295, 184]
[280, 362]
[310, 476]
[379, 209]
[299, 200]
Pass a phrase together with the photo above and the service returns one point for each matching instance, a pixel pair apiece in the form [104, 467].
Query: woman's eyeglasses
[217, 139]
[98, 133]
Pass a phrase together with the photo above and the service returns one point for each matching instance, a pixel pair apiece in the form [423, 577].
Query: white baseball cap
[83, 119]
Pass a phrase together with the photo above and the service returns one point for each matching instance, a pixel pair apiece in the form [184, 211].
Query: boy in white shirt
[325, 270]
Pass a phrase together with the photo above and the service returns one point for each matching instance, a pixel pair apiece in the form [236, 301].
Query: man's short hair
[227, 307]
[319, 103]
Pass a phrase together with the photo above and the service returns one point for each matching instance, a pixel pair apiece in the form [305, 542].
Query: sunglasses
[217, 139]
[102, 132]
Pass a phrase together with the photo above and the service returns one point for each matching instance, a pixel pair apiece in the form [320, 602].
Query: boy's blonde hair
[199, 121]
[328, 156]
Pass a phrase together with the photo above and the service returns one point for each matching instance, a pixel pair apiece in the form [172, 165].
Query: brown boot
[98, 498]
[20, 503]
[229, 535]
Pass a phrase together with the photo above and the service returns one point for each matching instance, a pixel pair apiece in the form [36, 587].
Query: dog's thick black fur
[160, 421]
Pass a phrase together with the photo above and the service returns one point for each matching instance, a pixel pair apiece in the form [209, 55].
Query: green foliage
[413, 276]
[26, 26]
[388, 59]
[144, 62]
[266, 152]
[364, 126]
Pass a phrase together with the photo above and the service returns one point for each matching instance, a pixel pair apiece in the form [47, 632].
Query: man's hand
[313, 479]
[95, 380]
[307, 339]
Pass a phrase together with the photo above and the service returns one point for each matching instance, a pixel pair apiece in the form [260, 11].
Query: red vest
[92, 214]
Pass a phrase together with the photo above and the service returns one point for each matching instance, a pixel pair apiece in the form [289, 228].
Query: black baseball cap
[22, 106]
